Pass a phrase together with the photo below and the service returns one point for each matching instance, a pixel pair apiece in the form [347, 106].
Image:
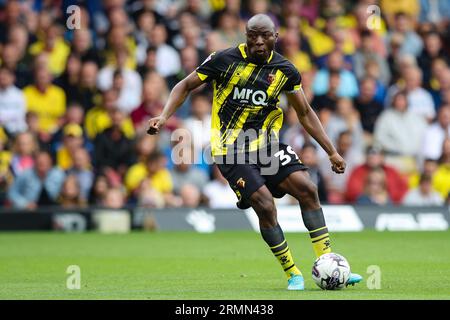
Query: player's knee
[308, 192]
[264, 206]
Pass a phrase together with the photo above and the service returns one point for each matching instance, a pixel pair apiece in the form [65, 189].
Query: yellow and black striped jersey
[245, 112]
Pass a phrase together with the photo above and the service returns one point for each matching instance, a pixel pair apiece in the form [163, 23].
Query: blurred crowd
[78, 84]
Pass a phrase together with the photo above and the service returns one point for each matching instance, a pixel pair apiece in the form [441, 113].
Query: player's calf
[315, 223]
[274, 238]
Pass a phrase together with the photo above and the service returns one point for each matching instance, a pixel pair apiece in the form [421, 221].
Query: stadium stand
[83, 95]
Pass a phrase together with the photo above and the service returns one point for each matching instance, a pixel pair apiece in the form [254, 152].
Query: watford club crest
[241, 183]
[270, 78]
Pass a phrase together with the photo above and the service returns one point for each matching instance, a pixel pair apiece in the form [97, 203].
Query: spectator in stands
[190, 34]
[378, 43]
[114, 199]
[167, 58]
[113, 149]
[436, 133]
[70, 196]
[6, 176]
[70, 78]
[436, 12]
[219, 185]
[228, 28]
[190, 59]
[431, 51]
[9, 57]
[369, 109]
[325, 103]
[412, 43]
[132, 82]
[184, 172]
[428, 168]
[47, 101]
[292, 51]
[364, 54]
[32, 121]
[24, 148]
[39, 186]
[373, 71]
[444, 85]
[336, 184]
[127, 101]
[99, 118]
[12, 15]
[148, 197]
[375, 192]
[441, 178]
[214, 43]
[145, 146]
[199, 123]
[99, 188]
[308, 155]
[12, 103]
[19, 38]
[149, 64]
[346, 118]
[348, 85]
[439, 83]
[74, 116]
[82, 170]
[390, 9]
[145, 21]
[198, 10]
[292, 133]
[120, 50]
[72, 141]
[395, 44]
[190, 195]
[424, 195]
[87, 93]
[82, 46]
[396, 185]
[419, 100]
[118, 18]
[153, 173]
[154, 94]
[399, 130]
[54, 45]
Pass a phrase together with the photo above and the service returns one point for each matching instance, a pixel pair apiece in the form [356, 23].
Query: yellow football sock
[320, 239]
[284, 256]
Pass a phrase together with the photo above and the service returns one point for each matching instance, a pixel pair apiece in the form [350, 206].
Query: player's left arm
[313, 126]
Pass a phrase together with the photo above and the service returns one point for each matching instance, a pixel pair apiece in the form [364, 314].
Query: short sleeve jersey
[245, 112]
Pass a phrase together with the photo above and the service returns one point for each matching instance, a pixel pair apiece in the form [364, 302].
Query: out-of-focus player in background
[247, 81]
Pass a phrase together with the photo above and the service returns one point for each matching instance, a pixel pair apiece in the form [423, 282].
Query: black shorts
[246, 178]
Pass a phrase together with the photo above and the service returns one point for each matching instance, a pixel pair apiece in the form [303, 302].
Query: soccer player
[246, 120]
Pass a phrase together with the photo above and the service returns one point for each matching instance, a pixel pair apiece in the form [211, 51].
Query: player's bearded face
[260, 43]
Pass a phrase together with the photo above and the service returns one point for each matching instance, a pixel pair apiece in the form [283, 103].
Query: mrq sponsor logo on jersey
[257, 98]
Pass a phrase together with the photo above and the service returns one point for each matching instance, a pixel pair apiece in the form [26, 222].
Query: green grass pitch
[222, 265]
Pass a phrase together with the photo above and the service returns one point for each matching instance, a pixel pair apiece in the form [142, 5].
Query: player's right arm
[176, 98]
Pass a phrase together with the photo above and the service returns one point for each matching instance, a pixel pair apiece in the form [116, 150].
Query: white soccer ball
[331, 271]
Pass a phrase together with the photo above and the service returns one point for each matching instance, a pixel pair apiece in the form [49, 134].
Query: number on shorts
[289, 149]
[285, 158]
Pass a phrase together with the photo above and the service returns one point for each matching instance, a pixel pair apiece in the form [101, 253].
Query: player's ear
[276, 36]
